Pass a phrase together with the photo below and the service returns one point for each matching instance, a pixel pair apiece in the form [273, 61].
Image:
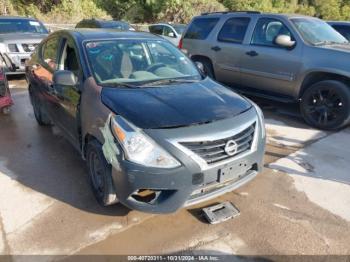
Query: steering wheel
[154, 67]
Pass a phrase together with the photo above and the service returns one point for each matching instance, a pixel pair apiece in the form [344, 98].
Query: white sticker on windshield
[34, 23]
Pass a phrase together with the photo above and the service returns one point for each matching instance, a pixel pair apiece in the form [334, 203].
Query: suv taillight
[180, 43]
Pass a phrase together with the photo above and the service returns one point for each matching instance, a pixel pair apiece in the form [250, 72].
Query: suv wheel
[326, 105]
[207, 66]
[100, 174]
[40, 116]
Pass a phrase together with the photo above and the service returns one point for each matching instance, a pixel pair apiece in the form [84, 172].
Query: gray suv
[18, 38]
[290, 58]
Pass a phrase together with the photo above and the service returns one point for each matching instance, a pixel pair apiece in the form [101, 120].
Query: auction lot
[300, 204]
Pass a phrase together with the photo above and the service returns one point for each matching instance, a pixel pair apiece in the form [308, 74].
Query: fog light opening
[146, 195]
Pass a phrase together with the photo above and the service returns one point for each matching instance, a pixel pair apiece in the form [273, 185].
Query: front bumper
[189, 184]
[19, 59]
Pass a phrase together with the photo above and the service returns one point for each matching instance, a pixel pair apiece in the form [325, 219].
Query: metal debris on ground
[220, 212]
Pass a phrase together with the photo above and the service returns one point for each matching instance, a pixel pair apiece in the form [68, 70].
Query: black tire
[40, 116]
[207, 66]
[100, 175]
[326, 105]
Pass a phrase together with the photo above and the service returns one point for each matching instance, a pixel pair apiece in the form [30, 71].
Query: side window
[266, 31]
[156, 29]
[234, 30]
[49, 52]
[167, 32]
[69, 59]
[200, 28]
[343, 30]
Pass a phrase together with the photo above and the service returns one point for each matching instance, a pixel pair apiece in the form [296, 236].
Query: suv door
[227, 49]
[267, 66]
[68, 97]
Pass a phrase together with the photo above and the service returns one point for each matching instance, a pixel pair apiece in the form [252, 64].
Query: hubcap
[325, 106]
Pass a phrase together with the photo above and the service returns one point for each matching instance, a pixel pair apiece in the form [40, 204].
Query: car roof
[17, 17]
[168, 24]
[83, 34]
[255, 13]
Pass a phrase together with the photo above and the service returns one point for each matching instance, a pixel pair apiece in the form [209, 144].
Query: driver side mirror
[65, 78]
[200, 67]
[284, 41]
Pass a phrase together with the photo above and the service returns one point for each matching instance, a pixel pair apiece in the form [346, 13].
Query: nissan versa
[156, 133]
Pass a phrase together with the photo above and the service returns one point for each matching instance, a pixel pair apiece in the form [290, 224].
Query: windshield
[179, 29]
[317, 32]
[21, 26]
[138, 62]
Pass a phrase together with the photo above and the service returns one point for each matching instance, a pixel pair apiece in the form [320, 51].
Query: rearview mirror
[284, 41]
[65, 78]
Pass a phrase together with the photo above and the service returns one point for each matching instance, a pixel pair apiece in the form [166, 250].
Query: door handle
[252, 53]
[216, 48]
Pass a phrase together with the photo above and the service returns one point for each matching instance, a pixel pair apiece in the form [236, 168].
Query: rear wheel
[40, 116]
[326, 105]
[100, 174]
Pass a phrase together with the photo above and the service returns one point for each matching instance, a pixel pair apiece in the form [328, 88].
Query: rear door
[227, 49]
[267, 67]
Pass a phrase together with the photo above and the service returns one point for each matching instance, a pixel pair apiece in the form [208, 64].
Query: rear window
[234, 30]
[200, 28]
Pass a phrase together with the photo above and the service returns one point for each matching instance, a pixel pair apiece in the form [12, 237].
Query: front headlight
[138, 147]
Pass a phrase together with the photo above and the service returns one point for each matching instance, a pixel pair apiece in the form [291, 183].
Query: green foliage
[71, 11]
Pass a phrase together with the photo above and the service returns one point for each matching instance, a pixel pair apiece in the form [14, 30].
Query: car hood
[22, 37]
[175, 105]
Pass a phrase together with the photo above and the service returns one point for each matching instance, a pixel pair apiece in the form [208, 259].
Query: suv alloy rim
[325, 106]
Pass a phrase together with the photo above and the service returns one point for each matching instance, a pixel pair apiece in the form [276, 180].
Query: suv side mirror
[65, 78]
[284, 41]
[171, 34]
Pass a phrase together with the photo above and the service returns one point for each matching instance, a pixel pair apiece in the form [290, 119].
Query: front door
[267, 66]
[68, 97]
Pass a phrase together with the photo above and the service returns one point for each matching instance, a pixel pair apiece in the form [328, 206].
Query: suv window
[200, 28]
[49, 52]
[234, 30]
[156, 29]
[266, 31]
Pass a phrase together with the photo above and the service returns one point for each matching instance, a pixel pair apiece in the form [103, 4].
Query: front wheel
[326, 105]
[100, 174]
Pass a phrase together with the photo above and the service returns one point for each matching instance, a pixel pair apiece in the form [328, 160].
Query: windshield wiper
[116, 84]
[330, 43]
[169, 81]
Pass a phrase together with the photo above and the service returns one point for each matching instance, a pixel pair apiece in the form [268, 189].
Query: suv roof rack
[229, 12]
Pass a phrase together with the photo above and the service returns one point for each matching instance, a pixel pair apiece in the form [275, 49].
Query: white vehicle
[171, 32]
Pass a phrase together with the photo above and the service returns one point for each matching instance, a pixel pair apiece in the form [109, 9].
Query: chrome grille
[29, 47]
[214, 151]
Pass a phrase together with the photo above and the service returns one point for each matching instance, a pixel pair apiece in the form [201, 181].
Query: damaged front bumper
[157, 190]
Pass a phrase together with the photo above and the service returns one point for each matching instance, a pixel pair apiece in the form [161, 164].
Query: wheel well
[321, 76]
[204, 59]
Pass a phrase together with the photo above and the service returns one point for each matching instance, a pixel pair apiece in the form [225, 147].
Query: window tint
[50, 49]
[156, 29]
[234, 30]
[344, 30]
[200, 28]
[267, 30]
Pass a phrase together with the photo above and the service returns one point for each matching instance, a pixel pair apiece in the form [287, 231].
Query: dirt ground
[299, 204]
